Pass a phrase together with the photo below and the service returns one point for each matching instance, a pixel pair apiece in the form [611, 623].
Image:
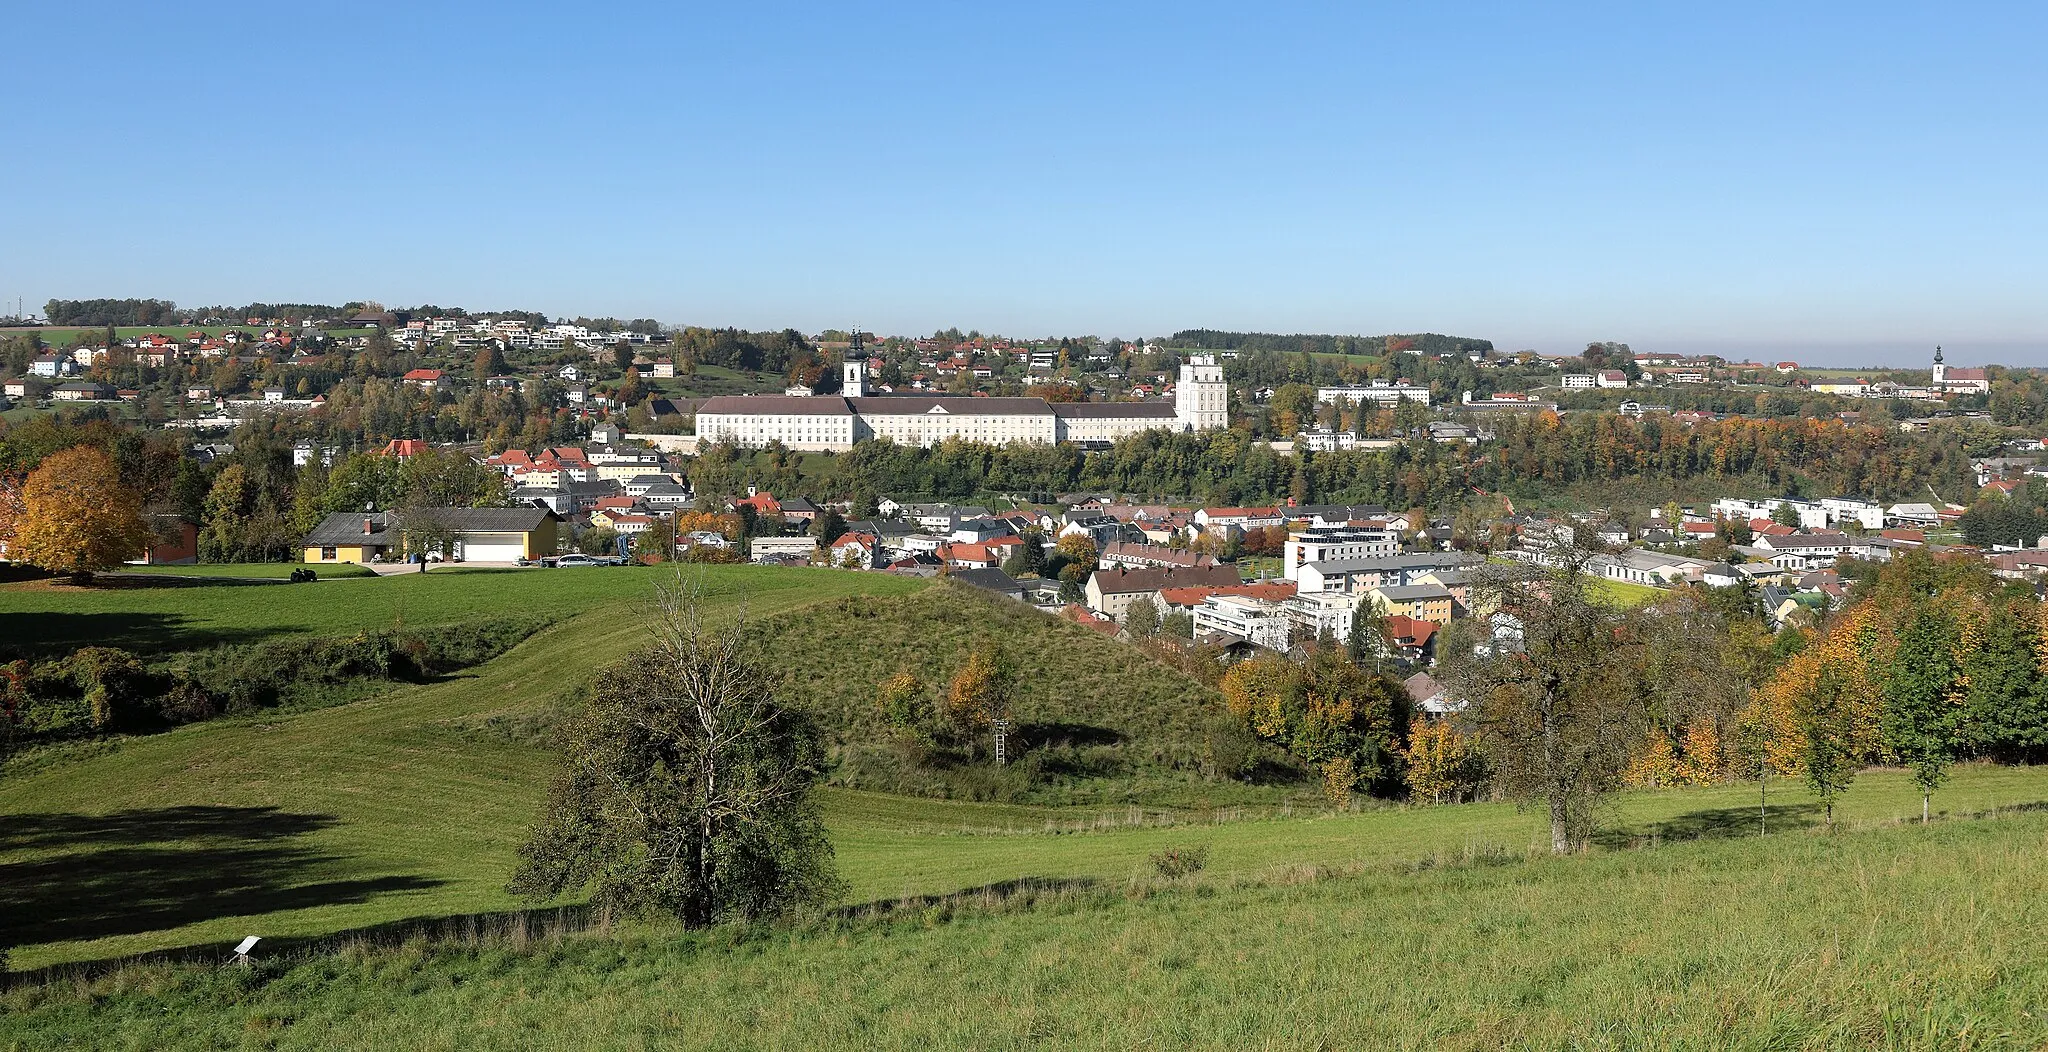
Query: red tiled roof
[1410, 631]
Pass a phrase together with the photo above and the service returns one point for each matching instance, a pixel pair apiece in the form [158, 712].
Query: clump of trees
[1344, 722]
[1936, 661]
[686, 787]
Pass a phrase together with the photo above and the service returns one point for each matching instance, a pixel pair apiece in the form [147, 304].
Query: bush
[101, 690]
[1177, 862]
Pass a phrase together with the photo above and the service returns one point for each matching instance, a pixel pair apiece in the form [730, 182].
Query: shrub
[1177, 862]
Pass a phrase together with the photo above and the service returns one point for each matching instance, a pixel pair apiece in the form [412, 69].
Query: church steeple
[1937, 354]
[1940, 371]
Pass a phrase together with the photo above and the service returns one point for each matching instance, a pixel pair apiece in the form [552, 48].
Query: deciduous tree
[687, 787]
[77, 516]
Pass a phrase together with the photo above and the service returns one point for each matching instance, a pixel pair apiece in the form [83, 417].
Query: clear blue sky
[1839, 181]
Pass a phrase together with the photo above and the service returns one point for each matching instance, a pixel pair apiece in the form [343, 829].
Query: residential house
[857, 551]
[1427, 602]
[1110, 591]
[1138, 556]
[463, 534]
[84, 392]
[989, 580]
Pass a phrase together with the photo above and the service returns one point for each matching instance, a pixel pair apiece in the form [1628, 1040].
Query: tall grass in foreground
[1899, 936]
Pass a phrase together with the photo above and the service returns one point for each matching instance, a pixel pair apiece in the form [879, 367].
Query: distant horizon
[1827, 354]
[1851, 185]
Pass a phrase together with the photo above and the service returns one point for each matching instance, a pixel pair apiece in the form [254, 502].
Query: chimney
[366, 527]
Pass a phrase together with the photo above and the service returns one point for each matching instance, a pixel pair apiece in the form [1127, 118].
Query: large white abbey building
[1201, 402]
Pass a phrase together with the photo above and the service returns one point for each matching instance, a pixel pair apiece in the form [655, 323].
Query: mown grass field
[1898, 937]
[265, 571]
[1624, 594]
[60, 617]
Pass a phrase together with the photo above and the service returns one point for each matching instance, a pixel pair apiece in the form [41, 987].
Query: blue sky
[1843, 182]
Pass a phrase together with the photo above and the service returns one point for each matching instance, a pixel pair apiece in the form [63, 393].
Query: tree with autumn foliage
[977, 695]
[11, 508]
[905, 707]
[1342, 721]
[1442, 765]
[77, 516]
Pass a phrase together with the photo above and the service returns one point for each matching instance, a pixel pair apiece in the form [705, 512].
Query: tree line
[1427, 343]
[1534, 456]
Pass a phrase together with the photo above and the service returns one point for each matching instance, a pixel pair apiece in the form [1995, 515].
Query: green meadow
[369, 842]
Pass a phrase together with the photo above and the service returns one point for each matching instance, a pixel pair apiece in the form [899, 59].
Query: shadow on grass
[1022, 889]
[1719, 823]
[74, 877]
[515, 927]
[43, 633]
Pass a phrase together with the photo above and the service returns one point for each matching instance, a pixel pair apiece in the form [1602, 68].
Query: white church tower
[854, 373]
[1940, 372]
[1201, 400]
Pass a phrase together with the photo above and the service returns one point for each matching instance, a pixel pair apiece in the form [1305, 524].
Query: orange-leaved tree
[979, 693]
[1439, 761]
[78, 516]
[10, 510]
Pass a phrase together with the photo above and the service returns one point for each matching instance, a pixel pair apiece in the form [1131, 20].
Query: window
[328, 554]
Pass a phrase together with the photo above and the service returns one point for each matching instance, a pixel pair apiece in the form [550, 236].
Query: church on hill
[1958, 381]
[1200, 402]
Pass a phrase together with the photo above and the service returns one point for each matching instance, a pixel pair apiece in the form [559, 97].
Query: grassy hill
[409, 803]
[1084, 706]
[335, 831]
[1864, 939]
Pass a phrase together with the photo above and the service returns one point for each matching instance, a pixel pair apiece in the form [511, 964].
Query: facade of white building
[836, 422]
[1381, 394]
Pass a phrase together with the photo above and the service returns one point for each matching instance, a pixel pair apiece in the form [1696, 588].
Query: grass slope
[1856, 941]
[1082, 705]
[399, 805]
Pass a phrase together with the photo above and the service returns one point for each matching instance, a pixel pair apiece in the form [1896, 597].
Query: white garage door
[492, 551]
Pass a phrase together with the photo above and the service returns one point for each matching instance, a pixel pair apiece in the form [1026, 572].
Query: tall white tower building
[1201, 400]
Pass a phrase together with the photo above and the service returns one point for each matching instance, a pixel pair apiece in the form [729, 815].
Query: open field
[1860, 940]
[409, 805]
[1441, 927]
[57, 617]
[267, 571]
[1622, 593]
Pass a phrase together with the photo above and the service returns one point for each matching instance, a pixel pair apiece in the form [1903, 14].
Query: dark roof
[775, 405]
[957, 404]
[346, 528]
[1118, 580]
[990, 579]
[486, 520]
[1114, 410]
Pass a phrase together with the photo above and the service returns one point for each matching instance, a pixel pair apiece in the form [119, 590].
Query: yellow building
[1423, 602]
[459, 534]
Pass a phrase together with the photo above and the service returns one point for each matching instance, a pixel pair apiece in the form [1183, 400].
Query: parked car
[578, 560]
